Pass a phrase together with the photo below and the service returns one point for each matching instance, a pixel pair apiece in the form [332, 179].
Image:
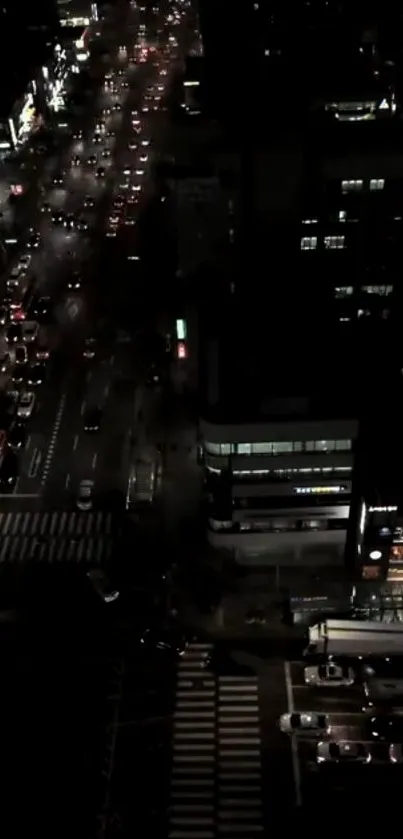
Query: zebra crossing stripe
[56, 537]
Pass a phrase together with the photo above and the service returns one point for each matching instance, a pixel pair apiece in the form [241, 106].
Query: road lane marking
[53, 440]
[294, 746]
[67, 481]
[35, 463]
[94, 460]
[75, 442]
[82, 408]
[28, 443]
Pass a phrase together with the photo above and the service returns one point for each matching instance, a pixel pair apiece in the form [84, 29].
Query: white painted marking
[67, 481]
[82, 410]
[94, 461]
[75, 442]
[53, 440]
[293, 739]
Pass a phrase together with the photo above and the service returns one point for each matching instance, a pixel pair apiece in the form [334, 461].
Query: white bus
[355, 639]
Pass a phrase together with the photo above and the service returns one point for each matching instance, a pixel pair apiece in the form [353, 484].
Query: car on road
[29, 331]
[74, 283]
[82, 224]
[21, 354]
[58, 180]
[42, 352]
[16, 435]
[97, 139]
[329, 675]
[13, 278]
[26, 404]
[92, 419]
[89, 348]
[46, 207]
[84, 500]
[19, 374]
[58, 217]
[76, 160]
[35, 374]
[78, 135]
[13, 333]
[132, 145]
[89, 202]
[344, 752]
[396, 753]
[69, 221]
[164, 641]
[100, 173]
[106, 153]
[304, 722]
[9, 470]
[3, 315]
[4, 361]
[92, 160]
[101, 585]
[25, 261]
[40, 307]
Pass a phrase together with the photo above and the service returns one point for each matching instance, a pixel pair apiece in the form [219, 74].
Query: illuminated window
[343, 291]
[282, 448]
[342, 215]
[351, 186]
[376, 184]
[381, 290]
[309, 221]
[335, 242]
[309, 243]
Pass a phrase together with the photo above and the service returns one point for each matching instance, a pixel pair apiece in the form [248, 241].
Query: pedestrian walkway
[57, 537]
[216, 784]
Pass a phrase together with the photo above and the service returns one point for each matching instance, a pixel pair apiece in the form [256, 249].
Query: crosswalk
[216, 779]
[56, 536]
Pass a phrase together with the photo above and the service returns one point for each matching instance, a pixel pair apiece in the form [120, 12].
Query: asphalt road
[59, 454]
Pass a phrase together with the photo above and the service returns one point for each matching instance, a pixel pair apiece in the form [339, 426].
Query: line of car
[377, 727]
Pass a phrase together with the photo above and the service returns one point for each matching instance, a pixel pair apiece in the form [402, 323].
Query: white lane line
[75, 442]
[294, 746]
[53, 440]
[94, 461]
[28, 443]
[35, 463]
[82, 408]
[67, 481]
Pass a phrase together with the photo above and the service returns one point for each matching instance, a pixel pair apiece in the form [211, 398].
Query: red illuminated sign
[182, 351]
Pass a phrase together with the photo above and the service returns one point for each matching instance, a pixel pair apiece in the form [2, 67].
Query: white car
[329, 675]
[29, 331]
[26, 404]
[396, 753]
[344, 751]
[25, 261]
[84, 496]
[304, 722]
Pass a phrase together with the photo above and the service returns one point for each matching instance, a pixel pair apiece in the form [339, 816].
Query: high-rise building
[296, 346]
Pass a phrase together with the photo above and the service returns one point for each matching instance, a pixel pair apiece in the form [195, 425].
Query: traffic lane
[41, 429]
[64, 438]
[323, 699]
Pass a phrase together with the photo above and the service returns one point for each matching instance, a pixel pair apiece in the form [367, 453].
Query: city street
[120, 137]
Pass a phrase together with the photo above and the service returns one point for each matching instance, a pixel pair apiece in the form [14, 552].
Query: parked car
[329, 675]
[344, 751]
[305, 722]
